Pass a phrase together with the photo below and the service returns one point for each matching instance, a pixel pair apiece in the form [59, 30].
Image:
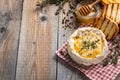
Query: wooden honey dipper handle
[94, 3]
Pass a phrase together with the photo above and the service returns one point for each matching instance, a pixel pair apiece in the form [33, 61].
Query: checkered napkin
[94, 72]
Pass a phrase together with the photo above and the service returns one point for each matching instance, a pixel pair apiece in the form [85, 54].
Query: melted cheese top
[88, 44]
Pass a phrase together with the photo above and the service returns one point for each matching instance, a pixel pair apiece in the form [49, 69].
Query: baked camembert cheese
[87, 46]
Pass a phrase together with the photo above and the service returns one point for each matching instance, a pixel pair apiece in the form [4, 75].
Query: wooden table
[28, 43]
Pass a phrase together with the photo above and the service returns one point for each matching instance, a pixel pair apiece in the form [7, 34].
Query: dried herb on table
[69, 16]
[105, 63]
[59, 3]
[112, 58]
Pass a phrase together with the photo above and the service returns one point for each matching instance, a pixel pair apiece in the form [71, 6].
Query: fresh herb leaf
[114, 60]
[88, 44]
[59, 3]
[105, 63]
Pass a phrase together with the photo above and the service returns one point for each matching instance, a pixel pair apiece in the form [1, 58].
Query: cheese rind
[87, 46]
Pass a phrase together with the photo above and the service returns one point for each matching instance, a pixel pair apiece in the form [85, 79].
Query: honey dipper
[85, 10]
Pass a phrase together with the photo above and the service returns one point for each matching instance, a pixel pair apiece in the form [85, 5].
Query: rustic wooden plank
[10, 18]
[38, 43]
[65, 72]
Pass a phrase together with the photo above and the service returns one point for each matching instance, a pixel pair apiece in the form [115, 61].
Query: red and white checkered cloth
[95, 72]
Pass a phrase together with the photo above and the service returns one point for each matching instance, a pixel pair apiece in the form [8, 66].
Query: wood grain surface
[28, 41]
[10, 19]
[38, 43]
[65, 72]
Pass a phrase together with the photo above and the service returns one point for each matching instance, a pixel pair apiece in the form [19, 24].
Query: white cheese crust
[83, 57]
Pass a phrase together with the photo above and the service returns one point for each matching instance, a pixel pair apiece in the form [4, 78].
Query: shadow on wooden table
[68, 66]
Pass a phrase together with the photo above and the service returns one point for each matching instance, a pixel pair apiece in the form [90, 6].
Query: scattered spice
[69, 17]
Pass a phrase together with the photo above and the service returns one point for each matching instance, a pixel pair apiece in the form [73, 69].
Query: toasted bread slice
[108, 28]
[118, 15]
[104, 25]
[110, 1]
[114, 11]
[114, 30]
[117, 29]
[111, 33]
[99, 23]
[95, 21]
[104, 11]
[105, 2]
[117, 1]
[109, 10]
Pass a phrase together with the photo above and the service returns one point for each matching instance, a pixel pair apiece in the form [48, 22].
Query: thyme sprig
[88, 44]
[59, 3]
[69, 16]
